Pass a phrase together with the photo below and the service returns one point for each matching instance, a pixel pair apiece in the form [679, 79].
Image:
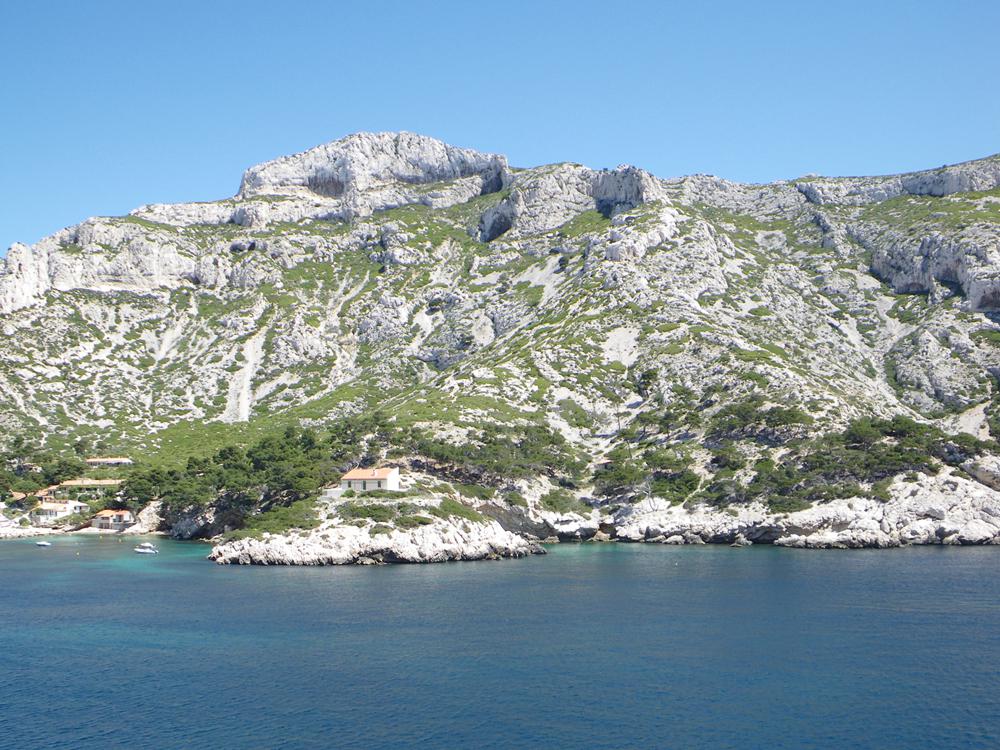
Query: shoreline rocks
[942, 510]
[441, 541]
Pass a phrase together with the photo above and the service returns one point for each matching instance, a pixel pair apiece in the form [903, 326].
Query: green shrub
[449, 508]
[620, 474]
[868, 453]
[750, 417]
[279, 520]
[409, 522]
[374, 511]
[988, 336]
[727, 456]
[675, 487]
[380, 493]
[515, 499]
[498, 454]
[476, 491]
[574, 414]
[563, 501]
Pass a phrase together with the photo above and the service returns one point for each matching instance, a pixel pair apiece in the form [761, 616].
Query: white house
[370, 479]
[113, 520]
[49, 512]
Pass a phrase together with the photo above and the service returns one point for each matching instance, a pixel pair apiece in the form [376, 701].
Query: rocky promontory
[441, 541]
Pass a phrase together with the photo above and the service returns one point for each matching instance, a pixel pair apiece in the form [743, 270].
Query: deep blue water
[596, 646]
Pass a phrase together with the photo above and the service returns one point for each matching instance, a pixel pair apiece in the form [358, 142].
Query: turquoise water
[595, 646]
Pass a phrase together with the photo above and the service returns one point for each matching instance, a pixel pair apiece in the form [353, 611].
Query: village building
[113, 520]
[99, 461]
[47, 512]
[370, 479]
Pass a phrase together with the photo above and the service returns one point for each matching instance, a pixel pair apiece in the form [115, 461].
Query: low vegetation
[271, 485]
[497, 454]
[766, 452]
[563, 501]
[265, 487]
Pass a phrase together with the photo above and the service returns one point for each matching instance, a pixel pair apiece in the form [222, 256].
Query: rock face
[149, 520]
[928, 510]
[969, 259]
[368, 162]
[346, 179]
[24, 276]
[551, 196]
[982, 174]
[441, 541]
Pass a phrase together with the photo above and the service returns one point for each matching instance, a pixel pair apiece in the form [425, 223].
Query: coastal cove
[591, 645]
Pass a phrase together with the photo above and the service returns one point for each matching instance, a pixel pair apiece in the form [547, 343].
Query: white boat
[146, 549]
[43, 544]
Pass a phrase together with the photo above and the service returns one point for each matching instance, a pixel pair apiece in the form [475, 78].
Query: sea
[589, 646]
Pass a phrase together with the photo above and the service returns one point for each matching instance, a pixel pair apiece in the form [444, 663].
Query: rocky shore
[949, 509]
[945, 509]
[14, 531]
[440, 541]
[952, 508]
[929, 510]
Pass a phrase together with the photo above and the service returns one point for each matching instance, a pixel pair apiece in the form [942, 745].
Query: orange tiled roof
[368, 474]
[110, 513]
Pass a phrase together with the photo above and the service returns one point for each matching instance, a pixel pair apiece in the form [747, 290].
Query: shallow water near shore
[596, 646]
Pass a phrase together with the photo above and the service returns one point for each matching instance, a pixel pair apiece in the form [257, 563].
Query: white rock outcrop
[441, 541]
[981, 174]
[541, 200]
[944, 509]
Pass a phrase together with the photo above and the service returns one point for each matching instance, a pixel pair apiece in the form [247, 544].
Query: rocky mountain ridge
[451, 291]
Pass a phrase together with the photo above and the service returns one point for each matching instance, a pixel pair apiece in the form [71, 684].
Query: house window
[364, 484]
[380, 484]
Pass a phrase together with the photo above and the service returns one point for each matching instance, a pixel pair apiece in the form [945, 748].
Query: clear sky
[107, 105]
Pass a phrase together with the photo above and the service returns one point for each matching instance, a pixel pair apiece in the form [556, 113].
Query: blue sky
[108, 105]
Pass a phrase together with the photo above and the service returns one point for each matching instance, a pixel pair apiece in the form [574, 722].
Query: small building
[113, 520]
[370, 479]
[98, 461]
[47, 512]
